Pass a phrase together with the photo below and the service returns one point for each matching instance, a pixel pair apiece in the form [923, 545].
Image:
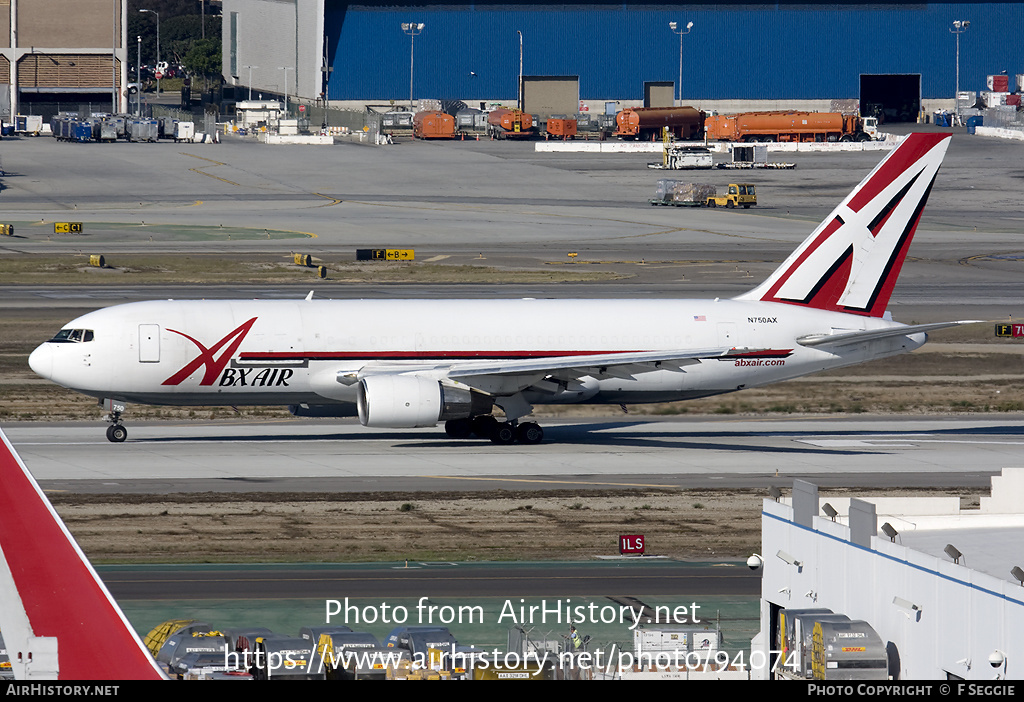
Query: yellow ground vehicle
[737, 194]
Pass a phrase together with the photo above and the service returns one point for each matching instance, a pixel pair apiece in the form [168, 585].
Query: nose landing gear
[116, 432]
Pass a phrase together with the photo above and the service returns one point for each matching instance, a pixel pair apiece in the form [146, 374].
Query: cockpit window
[72, 336]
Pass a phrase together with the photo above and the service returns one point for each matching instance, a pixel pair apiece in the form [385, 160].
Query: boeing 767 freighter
[415, 363]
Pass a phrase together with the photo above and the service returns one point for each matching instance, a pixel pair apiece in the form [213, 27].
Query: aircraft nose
[41, 360]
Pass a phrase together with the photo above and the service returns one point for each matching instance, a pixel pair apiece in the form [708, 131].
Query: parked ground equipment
[28, 124]
[789, 126]
[680, 157]
[184, 131]
[736, 195]
[681, 194]
[471, 122]
[433, 124]
[646, 123]
[561, 127]
[752, 156]
[506, 123]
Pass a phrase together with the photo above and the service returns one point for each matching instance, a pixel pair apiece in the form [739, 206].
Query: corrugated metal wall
[745, 51]
[271, 35]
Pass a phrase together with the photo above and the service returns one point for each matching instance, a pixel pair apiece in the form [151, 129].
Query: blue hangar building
[811, 55]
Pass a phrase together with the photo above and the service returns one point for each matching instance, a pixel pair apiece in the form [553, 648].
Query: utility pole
[413, 30]
[285, 69]
[157, 14]
[250, 79]
[520, 101]
[959, 27]
[673, 26]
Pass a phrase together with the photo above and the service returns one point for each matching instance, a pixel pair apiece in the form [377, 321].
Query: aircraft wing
[506, 376]
[589, 364]
[844, 338]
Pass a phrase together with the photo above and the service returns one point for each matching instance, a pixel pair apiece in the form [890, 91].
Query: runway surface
[611, 453]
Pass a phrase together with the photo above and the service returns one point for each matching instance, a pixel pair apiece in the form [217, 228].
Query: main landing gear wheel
[483, 426]
[504, 434]
[116, 433]
[529, 433]
[459, 428]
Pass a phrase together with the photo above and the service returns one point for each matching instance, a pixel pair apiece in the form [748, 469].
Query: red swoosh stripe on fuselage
[411, 355]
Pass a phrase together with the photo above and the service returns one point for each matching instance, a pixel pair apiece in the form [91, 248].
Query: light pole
[674, 27]
[138, 76]
[413, 30]
[285, 69]
[520, 103]
[157, 14]
[958, 28]
[113, 64]
[250, 79]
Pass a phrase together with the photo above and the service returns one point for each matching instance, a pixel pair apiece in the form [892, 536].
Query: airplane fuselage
[258, 352]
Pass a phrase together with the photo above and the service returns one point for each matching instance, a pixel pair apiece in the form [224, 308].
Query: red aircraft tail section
[58, 619]
[851, 261]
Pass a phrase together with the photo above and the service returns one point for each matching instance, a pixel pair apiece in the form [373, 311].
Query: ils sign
[631, 543]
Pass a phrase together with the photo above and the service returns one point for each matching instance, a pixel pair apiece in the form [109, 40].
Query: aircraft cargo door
[149, 343]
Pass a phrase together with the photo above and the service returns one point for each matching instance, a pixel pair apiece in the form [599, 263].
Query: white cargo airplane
[414, 363]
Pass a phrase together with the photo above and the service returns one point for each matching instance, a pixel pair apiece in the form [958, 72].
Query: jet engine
[406, 401]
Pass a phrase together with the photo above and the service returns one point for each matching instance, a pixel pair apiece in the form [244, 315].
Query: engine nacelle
[409, 401]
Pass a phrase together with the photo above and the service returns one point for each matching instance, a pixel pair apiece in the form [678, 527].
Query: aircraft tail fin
[851, 261]
[57, 617]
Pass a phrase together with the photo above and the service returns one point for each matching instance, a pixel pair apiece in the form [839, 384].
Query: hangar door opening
[544, 96]
[659, 94]
[892, 97]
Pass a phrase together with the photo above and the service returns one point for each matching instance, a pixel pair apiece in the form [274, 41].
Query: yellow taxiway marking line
[203, 158]
[209, 175]
[547, 482]
[333, 200]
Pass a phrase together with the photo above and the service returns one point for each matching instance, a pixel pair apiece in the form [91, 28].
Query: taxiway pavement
[592, 453]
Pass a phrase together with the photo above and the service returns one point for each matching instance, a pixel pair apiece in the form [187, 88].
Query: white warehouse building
[937, 583]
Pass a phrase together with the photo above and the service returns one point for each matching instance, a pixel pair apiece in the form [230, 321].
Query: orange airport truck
[791, 127]
[433, 125]
[561, 127]
[504, 123]
[646, 123]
